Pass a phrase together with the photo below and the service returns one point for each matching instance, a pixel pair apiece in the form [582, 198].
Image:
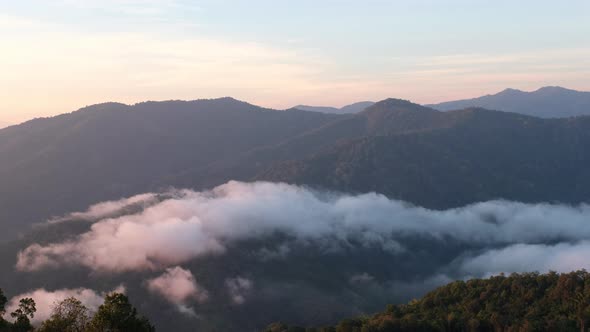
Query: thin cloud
[110, 208]
[238, 289]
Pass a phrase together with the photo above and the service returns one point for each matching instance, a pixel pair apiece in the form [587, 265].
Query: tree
[26, 311]
[582, 309]
[3, 301]
[118, 315]
[69, 315]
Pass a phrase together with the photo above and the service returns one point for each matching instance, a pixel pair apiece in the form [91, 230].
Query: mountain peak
[394, 104]
[103, 106]
[509, 91]
[553, 89]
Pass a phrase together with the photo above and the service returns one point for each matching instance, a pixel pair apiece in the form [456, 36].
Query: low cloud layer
[179, 287]
[190, 224]
[46, 300]
[562, 257]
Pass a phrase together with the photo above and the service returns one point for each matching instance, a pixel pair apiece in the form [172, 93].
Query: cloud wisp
[238, 288]
[111, 208]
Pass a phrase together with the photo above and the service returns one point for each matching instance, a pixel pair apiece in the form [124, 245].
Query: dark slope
[388, 117]
[437, 159]
[4, 124]
[547, 102]
[55, 165]
[483, 155]
[520, 302]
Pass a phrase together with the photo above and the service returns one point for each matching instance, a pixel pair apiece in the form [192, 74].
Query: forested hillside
[394, 147]
[54, 165]
[477, 155]
[519, 302]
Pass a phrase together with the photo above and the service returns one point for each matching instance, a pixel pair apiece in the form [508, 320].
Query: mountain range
[113, 150]
[394, 147]
[331, 216]
[546, 102]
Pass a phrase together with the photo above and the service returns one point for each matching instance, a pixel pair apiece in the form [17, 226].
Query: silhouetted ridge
[554, 89]
[510, 91]
[112, 150]
[103, 107]
[348, 109]
[546, 102]
[394, 104]
[395, 147]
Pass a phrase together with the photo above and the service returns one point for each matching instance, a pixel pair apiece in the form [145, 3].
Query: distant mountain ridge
[463, 157]
[395, 147]
[113, 150]
[4, 124]
[348, 109]
[546, 102]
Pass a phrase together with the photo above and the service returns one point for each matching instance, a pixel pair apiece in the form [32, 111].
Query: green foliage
[69, 315]
[26, 310]
[118, 315]
[519, 302]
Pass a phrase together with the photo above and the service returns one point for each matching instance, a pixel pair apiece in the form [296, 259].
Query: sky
[60, 55]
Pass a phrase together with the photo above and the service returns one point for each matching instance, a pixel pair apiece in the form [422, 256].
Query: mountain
[352, 108]
[390, 116]
[426, 157]
[462, 157]
[520, 302]
[395, 147]
[547, 102]
[54, 165]
[255, 252]
[4, 124]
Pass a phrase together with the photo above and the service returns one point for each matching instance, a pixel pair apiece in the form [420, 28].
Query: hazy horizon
[61, 55]
[4, 123]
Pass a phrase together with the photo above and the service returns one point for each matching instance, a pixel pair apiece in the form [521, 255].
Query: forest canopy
[116, 314]
[519, 302]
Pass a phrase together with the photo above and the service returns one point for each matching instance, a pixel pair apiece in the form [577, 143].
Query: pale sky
[59, 55]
